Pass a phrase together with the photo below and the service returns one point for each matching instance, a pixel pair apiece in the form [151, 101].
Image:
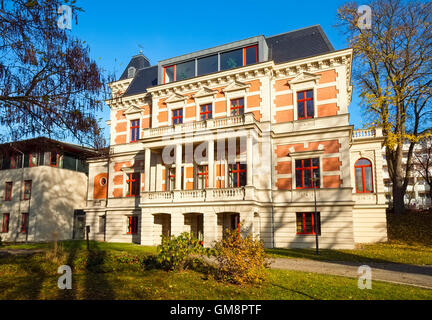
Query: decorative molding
[205, 92]
[305, 77]
[176, 97]
[236, 86]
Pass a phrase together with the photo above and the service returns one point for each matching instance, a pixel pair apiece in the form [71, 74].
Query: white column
[249, 161]
[147, 220]
[211, 166]
[178, 161]
[210, 229]
[147, 160]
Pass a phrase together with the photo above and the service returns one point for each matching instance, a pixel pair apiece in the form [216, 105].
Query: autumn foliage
[241, 260]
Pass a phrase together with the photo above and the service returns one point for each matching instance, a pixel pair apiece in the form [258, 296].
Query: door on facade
[79, 225]
[235, 222]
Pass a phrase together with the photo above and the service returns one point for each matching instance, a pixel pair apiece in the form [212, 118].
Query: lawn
[125, 271]
[410, 241]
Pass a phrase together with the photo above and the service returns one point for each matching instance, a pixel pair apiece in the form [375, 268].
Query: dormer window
[131, 72]
[213, 63]
[169, 74]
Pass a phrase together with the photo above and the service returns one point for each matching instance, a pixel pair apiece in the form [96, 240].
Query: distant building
[43, 188]
[417, 194]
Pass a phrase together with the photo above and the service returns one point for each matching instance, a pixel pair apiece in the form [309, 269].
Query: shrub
[241, 259]
[179, 253]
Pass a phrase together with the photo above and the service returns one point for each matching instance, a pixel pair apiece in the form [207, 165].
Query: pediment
[235, 86]
[175, 97]
[304, 77]
[205, 92]
[133, 110]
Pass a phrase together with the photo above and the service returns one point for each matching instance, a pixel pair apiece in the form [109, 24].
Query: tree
[423, 163]
[393, 71]
[48, 83]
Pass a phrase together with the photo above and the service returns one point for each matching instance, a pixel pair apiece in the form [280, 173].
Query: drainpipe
[271, 162]
[107, 195]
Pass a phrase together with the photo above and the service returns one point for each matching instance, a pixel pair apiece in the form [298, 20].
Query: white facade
[272, 140]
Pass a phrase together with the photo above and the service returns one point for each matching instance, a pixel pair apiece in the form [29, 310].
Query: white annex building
[239, 134]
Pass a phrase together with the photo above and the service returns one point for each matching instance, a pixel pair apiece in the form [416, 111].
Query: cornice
[243, 74]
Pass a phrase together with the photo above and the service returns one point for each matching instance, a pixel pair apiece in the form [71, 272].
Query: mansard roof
[288, 46]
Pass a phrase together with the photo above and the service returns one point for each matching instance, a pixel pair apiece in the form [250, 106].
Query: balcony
[205, 195]
[367, 133]
[217, 123]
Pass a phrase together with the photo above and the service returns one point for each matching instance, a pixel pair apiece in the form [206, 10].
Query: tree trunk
[398, 199]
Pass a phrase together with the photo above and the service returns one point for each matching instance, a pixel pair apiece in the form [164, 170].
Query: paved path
[420, 276]
[19, 252]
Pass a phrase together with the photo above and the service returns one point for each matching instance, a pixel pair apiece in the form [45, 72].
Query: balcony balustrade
[193, 195]
[217, 123]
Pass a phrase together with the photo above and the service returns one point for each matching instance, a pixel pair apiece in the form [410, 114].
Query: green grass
[106, 274]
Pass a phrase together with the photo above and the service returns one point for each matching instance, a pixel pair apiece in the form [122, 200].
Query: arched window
[363, 176]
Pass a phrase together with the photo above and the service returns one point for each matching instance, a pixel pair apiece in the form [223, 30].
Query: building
[239, 133]
[417, 195]
[43, 188]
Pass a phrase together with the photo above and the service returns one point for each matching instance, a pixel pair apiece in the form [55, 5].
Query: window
[250, 55]
[231, 59]
[206, 111]
[33, 161]
[207, 65]
[237, 107]
[202, 177]
[131, 72]
[133, 184]
[169, 74]
[172, 176]
[184, 70]
[363, 176]
[306, 223]
[8, 191]
[237, 175]
[5, 223]
[305, 105]
[54, 161]
[15, 161]
[27, 189]
[103, 181]
[135, 128]
[132, 225]
[102, 220]
[177, 116]
[24, 223]
[306, 170]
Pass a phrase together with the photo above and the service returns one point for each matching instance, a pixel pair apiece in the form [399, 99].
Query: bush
[179, 253]
[241, 260]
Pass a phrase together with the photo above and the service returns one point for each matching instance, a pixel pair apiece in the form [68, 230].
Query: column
[210, 229]
[147, 160]
[211, 166]
[178, 162]
[246, 220]
[249, 161]
[147, 220]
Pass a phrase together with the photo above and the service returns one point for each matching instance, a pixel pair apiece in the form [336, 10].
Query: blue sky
[117, 30]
